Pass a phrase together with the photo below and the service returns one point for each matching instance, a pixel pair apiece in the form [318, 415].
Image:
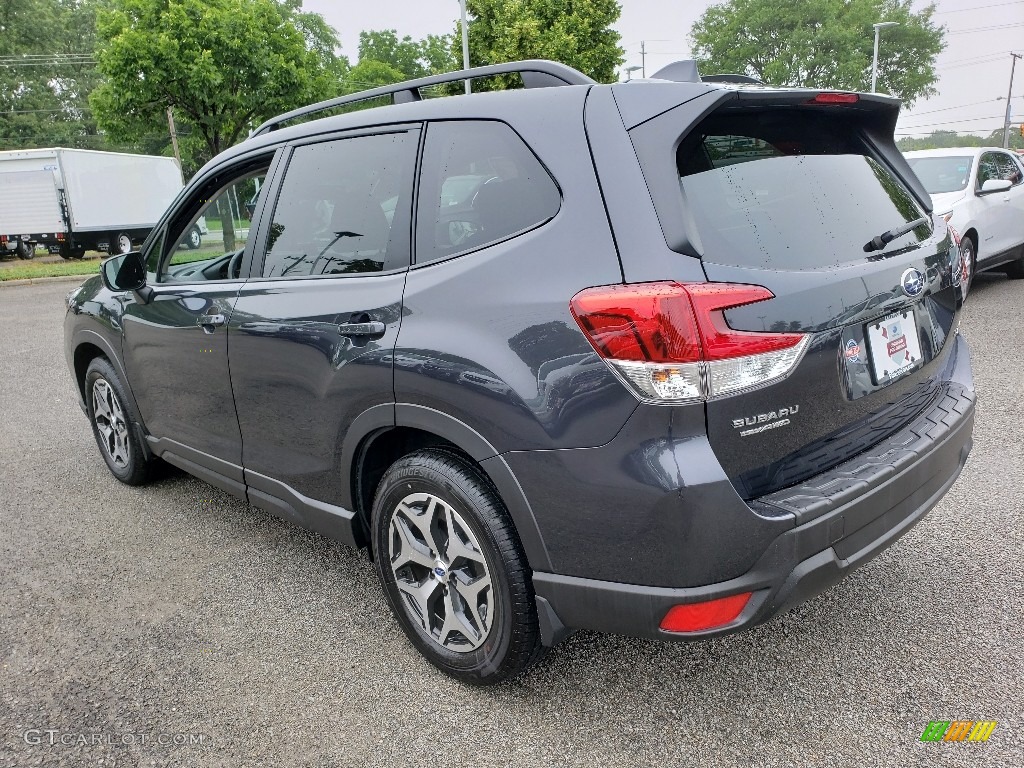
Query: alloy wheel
[110, 421]
[441, 573]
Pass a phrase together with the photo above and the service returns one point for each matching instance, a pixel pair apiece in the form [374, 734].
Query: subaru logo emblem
[913, 282]
[440, 572]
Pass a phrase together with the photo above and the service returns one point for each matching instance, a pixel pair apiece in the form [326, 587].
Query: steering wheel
[235, 265]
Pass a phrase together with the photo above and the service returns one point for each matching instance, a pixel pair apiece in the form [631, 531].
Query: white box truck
[74, 200]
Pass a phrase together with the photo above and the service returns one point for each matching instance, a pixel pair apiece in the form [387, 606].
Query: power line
[947, 109]
[952, 122]
[986, 29]
[980, 7]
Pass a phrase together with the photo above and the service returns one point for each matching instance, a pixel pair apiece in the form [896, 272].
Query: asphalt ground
[134, 618]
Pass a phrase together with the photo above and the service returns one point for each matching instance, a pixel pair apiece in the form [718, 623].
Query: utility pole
[465, 45]
[1009, 94]
[174, 136]
[874, 61]
[643, 60]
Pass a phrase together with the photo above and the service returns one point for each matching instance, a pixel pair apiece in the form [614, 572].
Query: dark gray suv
[661, 358]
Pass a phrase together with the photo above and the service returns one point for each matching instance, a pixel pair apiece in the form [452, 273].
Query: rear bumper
[852, 513]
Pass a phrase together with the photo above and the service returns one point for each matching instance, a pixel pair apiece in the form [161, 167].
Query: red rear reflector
[672, 323]
[835, 98]
[695, 617]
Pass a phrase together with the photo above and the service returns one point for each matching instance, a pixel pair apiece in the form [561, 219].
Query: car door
[175, 342]
[312, 333]
[1000, 224]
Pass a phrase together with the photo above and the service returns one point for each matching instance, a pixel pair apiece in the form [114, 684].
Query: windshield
[942, 174]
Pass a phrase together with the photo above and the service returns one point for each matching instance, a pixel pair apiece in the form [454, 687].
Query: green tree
[822, 44]
[995, 139]
[413, 58]
[575, 32]
[47, 73]
[371, 74]
[222, 65]
[940, 140]
[385, 47]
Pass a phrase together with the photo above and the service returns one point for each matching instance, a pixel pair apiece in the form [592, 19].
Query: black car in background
[658, 358]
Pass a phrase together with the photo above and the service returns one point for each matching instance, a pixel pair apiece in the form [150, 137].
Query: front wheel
[453, 569]
[112, 426]
[970, 256]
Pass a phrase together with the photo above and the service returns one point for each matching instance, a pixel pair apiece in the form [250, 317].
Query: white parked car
[980, 192]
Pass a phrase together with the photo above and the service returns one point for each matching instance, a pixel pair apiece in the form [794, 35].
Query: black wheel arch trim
[98, 340]
[381, 417]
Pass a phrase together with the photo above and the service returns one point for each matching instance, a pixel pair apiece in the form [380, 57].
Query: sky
[973, 70]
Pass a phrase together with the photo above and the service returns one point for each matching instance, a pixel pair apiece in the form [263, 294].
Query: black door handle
[373, 329]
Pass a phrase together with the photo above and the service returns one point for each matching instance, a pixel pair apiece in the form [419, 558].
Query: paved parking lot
[137, 618]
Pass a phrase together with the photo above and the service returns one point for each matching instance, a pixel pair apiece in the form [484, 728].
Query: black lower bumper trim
[798, 564]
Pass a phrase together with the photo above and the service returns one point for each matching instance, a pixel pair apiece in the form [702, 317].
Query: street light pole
[1009, 95]
[874, 62]
[465, 44]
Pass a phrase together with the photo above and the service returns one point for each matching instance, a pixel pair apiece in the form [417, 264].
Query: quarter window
[480, 185]
[343, 208]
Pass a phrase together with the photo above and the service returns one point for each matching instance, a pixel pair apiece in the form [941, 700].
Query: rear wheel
[25, 250]
[453, 569]
[120, 242]
[73, 254]
[112, 426]
[194, 239]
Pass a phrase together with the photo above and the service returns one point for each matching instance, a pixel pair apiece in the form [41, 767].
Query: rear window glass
[769, 190]
[942, 174]
[480, 185]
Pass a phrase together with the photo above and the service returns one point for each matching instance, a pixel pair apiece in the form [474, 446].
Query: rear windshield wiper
[879, 242]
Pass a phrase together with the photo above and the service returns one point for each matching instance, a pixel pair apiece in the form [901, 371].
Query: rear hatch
[806, 195]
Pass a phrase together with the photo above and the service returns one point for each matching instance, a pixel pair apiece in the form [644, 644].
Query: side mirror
[996, 185]
[126, 272]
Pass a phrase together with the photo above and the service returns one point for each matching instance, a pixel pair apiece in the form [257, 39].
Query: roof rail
[536, 73]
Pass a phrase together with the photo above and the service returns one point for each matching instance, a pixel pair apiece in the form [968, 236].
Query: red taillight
[646, 322]
[835, 98]
[721, 342]
[670, 341]
[672, 323]
[695, 617]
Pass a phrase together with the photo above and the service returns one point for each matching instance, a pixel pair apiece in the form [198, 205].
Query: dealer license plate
[894, 345]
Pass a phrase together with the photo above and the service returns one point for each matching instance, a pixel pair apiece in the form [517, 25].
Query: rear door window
[343, 208]
[480, 185]
[771, 192]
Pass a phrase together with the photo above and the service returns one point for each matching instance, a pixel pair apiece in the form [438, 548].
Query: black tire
[117, 438]
[25, 250]
[970, 254]
[509, 642]
[120, 242]
[72, 254]
[194, 239]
